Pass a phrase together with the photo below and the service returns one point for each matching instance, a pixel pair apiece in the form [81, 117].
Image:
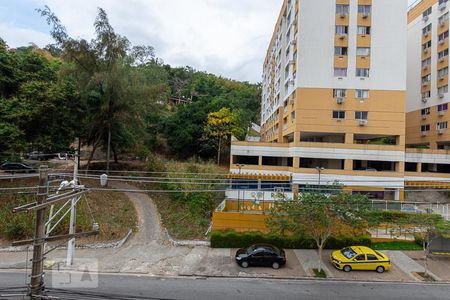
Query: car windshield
[348, 252]
[250, 249]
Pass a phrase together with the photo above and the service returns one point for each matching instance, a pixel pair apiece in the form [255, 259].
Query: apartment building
[427, 118]
[334, 98]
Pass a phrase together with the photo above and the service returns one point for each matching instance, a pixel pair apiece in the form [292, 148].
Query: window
[293, 115]
[442, 1]
[443, 18]
[339, 93]
[364, 9]
[341, 29]
[426, 62]
[442, 54]
[363, 30]
[342, 9]
[425, 111]
[362, 72]
[362, 94]
[443, 89]
[339, 114]
[427, 12]
[442, 125]
[443, 36]
[426, 45]
[426, 95]
[371, 257]
[360, 257]
[340, 72]
[361, 115]
[340, 50]
[442, 72]
[426, 29]
[442, 107]
[424, 128]
[363, 51]
[426, 79]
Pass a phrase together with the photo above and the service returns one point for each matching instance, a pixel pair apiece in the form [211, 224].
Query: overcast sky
[225, 37]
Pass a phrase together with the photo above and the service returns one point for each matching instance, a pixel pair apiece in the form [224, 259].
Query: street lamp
[239, 187]
[320, 169]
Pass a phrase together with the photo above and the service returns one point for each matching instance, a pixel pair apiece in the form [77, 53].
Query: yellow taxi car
[360, 258]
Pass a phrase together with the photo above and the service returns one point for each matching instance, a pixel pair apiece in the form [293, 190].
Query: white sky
[225, 37]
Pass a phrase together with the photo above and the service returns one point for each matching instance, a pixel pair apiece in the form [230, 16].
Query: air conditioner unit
[441, 95]
[441, 42]
[425, 83]
[426, 33]
[442, 23]
[365, 15]
[442, 6]
[424, 117]
[363, 122]
[342, 36]
[425, 50]
[424, 99]
[343, 15]
[441, 113]
[441, 60]
[425, 18]
[425, 67]
[340, 100]
[441, 77]
[441, 131]
[424, 133]
[292, 101]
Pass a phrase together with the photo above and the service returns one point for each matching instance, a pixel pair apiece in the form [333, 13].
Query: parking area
[394, 274]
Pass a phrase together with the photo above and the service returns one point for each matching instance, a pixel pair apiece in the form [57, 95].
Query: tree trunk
[79, 153]
[218, 151]
[108, 152]
[320, 257]
[91, 156]
[116, 159]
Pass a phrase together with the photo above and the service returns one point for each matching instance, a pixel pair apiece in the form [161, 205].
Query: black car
[17, 168]
[261, 255]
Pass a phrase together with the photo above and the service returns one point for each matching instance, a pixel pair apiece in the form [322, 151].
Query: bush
[232, 239]
[14, 231]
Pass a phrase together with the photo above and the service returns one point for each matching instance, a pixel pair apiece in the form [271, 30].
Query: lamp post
[239, 185]
[320, 169]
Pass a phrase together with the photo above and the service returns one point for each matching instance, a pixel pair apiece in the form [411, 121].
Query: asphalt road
[112, 286]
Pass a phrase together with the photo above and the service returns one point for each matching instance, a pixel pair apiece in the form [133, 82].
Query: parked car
[360, 258]
[17, 168]
[261, 255]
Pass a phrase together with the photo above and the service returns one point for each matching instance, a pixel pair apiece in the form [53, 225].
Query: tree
[221, 125]
[320, 216]
[112, 83]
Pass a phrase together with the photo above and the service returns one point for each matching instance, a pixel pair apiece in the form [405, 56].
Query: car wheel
[380, 269]
[347, 268]
[244, 264]
[276, 265]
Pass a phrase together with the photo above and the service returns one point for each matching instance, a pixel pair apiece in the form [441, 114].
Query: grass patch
[406, 246]
[113, 211]
[319, 274]
[425, 277]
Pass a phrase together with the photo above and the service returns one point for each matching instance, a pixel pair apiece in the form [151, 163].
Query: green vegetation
[320, 216]
[405, 246]
[232, 239]
[319, 273]
[114, 225]
[105, 90]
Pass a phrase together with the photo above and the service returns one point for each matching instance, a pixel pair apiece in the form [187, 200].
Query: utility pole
[37, 282]
[71, 243]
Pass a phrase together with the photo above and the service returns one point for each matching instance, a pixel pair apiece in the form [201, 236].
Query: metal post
[37, 268]
[71, 243]
[239, 186]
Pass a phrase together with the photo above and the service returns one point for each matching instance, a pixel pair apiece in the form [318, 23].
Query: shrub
[14, 231]
[232, 239]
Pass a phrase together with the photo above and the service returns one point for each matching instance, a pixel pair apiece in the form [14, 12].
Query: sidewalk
[166, 260]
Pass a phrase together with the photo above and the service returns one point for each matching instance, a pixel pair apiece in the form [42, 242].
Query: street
[145, 287]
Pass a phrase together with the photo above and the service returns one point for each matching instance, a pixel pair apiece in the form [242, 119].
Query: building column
[296, 162]
[348, 165]
[401, 166]
[399, 195]
[349, 138]
[260, 161]
[419, 167]
[400, 140]
[433, 145]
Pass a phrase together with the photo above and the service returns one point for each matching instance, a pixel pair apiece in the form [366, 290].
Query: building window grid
[362, 72]
[361, 115]
[339, 114]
